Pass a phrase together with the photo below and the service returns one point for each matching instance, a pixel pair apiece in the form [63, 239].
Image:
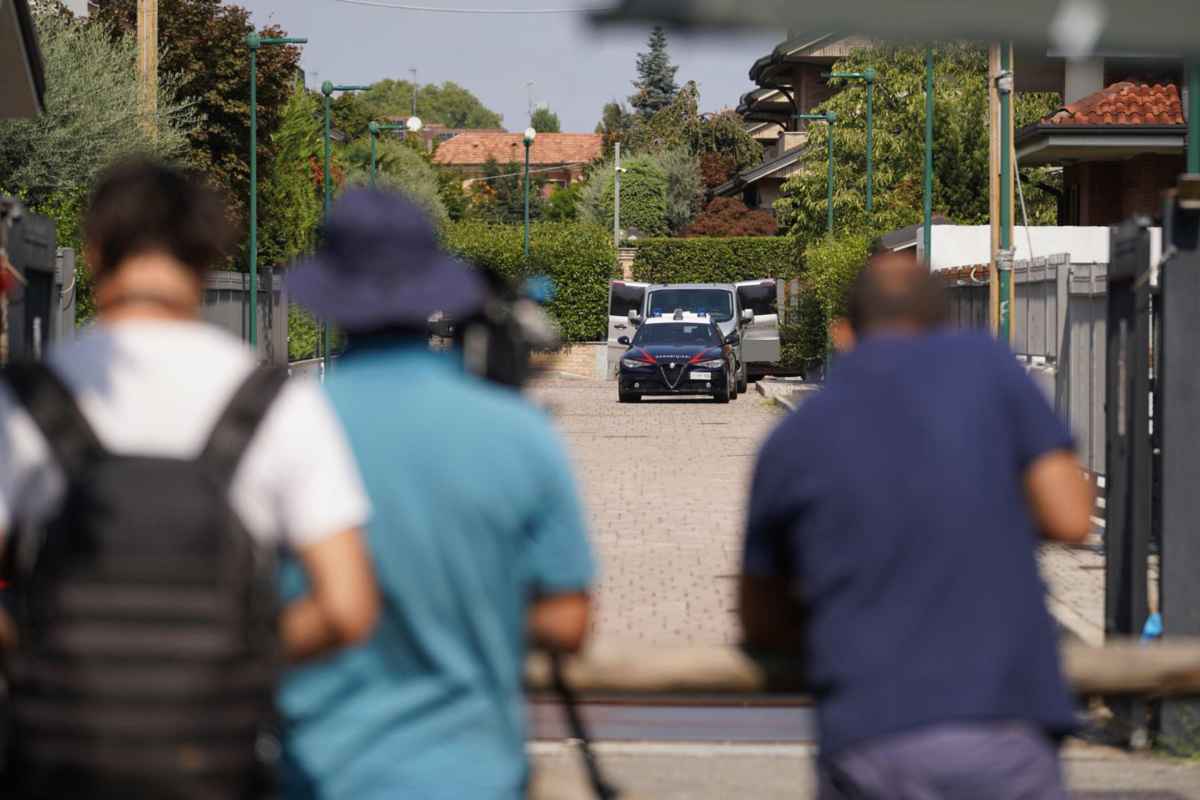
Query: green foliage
[832, 264]
[960, 145]
[713, 260]
[91, 118]
[644, 196]
[304, 334]
[455, 199]
[401, 167]
[616, 123]
[655, 84]
[448, 104]
[292, 196]
[685, 187]
[545, 121]
[680, 125]
[580, 259]
[203, 42]
[92, 114]
[563, 204]
[804, 336]
[501, 200]
[350, 115]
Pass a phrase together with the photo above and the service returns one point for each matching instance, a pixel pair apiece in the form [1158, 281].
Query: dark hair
[895, 288]
[140, 205]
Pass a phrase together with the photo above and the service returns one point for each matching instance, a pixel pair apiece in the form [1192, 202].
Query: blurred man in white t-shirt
[151, 379]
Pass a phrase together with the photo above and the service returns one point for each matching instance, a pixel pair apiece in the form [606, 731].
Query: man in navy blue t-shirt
[891, 541]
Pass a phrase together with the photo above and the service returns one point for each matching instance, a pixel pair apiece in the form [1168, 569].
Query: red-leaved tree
[728, 216]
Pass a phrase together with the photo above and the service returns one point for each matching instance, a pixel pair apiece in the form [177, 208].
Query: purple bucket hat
[379, 266]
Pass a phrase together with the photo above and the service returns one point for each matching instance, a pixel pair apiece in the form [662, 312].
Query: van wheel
[743, 382]
[629, 397]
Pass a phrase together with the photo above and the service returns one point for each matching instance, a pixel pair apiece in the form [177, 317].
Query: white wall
[970, 245]
[77, 7]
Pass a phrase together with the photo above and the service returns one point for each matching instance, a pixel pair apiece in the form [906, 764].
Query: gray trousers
[971, 761]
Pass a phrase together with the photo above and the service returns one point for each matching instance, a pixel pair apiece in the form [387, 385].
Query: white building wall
[970, 245]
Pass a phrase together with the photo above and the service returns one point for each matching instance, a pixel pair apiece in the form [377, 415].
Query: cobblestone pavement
[767, 772]
[665, 483]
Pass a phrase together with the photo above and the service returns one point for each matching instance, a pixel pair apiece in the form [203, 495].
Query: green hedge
[716, 260]
[580, 259]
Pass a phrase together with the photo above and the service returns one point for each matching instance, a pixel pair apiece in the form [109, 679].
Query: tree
[204, 44]
[448, 104]
[92, 114]
[92, 117]
[681, 124]
[960, 145]
[292, 195]
[545, 121]
[500, 197]
[685, 187]
[615, 125]
[400, 167]
[728, 216]
[656, 86]
[644, 196]
[563, 203]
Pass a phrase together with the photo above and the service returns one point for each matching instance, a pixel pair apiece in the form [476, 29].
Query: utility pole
[617, 197]
[1000, 90]
[413, 71]
[147, 41]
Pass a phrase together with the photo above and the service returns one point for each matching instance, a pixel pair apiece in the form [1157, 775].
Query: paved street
[665, 482]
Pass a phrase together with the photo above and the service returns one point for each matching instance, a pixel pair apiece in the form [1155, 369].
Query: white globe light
[530, 135]
[414, 124]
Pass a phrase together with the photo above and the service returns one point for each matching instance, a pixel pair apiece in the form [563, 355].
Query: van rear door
[623, 297]
[760, 340]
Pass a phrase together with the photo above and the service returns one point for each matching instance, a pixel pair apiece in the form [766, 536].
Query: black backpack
[149, 652]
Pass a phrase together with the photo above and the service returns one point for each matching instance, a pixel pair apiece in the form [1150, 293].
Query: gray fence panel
[1085, 351]
[226, 296]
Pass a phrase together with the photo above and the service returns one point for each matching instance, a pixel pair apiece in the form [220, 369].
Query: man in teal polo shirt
[477, 540]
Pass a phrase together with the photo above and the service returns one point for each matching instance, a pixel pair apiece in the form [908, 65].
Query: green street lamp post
[413, 125]
[829, 118]
[327, 89]
[868, 76]
[254, 42]
[1004, 87]
[928, 189]
[530, 136]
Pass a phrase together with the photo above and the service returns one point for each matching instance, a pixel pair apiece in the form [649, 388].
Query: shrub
[832, 264]
[563, 204]
[803, 337]
[715, 260]
[728, 216]
[644, 195]
[580, 259]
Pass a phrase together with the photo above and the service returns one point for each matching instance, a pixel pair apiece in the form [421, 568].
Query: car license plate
[701, 376]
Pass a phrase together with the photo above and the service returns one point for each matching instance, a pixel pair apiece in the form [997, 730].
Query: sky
[576, 68]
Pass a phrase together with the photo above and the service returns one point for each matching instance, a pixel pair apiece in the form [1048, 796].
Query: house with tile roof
[558, 158]
[791, 80]
[1119, 148]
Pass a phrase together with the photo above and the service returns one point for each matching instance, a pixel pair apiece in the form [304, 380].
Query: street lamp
[327, 89]
[413, 125]
[530, 135]
[868, 76]
[828, 118]
[254, 42]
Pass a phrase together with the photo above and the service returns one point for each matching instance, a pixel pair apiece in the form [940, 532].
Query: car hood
[662, 352]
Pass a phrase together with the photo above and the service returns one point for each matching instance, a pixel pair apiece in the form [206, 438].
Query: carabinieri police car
[680, 354]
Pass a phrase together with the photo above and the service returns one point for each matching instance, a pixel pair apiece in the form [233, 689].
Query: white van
[734, 307]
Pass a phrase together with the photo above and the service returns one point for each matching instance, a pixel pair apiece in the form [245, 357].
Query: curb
[776, 399]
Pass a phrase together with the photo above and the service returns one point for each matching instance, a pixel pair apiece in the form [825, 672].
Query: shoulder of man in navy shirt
[894, 521]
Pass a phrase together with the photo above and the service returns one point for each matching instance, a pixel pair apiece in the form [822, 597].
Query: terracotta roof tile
[1124, 103]
[474, 148]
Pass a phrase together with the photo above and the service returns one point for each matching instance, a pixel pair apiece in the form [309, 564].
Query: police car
[683, 353]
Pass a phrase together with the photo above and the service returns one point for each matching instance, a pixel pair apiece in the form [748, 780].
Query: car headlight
[715, 363]
[634, 363]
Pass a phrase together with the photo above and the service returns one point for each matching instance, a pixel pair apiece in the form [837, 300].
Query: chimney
[789, 140]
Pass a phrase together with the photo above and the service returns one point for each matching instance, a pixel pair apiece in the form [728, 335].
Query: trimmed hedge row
[716, 260]
[580, 259]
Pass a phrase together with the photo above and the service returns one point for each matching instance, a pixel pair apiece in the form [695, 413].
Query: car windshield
[718, 303]
[676, 334]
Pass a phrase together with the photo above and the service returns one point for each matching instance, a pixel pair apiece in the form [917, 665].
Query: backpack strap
[49, 402]
[235, 429]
